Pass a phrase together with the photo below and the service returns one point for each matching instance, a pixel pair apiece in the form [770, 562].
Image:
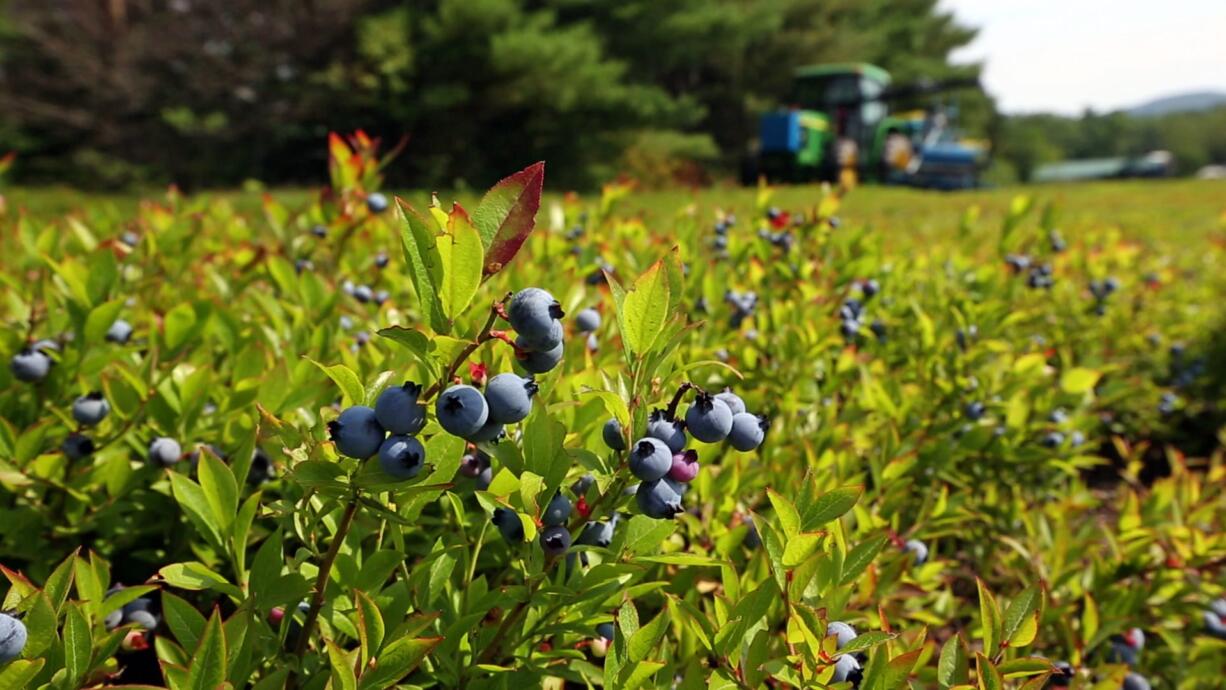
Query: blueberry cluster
[536, 317]
[1040, 276]
[852, 312]
[660, 460]
[1101, 290]
[360, 431]
[743, 306]
[365, 294]
[464, 411]
[1183, 372]
[780, 239]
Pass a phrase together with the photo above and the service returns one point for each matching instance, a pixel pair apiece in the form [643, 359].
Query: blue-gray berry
[398, 411]
[748, 431]
[558, 510]
[509, 397]
[587, 320]
[612, 434]
[657, 499]
[554, 541]
[462, 410]
[537, 361]
[30, 365]
[357, 432]
[709, 420]
[667, 429]
[402, 457]
[650, 459]
[90, 409]
[164, 451]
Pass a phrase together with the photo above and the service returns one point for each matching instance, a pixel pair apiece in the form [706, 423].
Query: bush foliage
[1055, 450]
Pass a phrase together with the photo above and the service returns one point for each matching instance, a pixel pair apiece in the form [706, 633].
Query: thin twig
[321, 584]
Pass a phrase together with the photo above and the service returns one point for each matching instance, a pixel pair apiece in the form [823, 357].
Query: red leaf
[507, 214]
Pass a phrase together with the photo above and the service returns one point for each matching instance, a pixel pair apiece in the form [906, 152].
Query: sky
[1066, 55]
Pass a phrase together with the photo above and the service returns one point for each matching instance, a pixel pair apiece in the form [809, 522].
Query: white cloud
[1066, 55]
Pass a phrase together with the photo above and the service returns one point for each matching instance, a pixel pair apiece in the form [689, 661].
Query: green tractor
[839, 121]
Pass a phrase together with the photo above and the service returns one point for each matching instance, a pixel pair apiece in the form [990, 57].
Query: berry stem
[321, 584]
[681, 391]
[483, 336]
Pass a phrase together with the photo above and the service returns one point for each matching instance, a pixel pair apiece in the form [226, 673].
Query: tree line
[209, 94]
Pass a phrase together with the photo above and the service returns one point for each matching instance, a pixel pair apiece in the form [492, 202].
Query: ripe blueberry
[30, 365]
[462, 410]
[606, 630]
[845, 669]
[77, 446]
[509, 525]
[509, 398]
[402, 457]
[555, 541]
[319, 231]
[558, 511]
[845, 632]
[376, 202]
[1053, 439]
[658, 500]
[398, 411]
[612, 434]
[685, 466]
[667, 429]
[1135, 681]
[748, 431]
[363, 294]
[537, 361]
[918, 549]
[164, 451]
[483, 479]
[119, 332]
[975, 410]
[473, 462]
[732, 400]
[1215, 623]
[357, 432]
[587, 320]
[12, 638]
[90, 409]
[752, 539]
[650, 459]
[533, 314]
[1061, 675]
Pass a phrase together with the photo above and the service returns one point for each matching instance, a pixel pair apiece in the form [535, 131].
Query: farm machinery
[839, 122]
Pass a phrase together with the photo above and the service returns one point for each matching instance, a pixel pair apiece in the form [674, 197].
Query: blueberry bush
[356, 442]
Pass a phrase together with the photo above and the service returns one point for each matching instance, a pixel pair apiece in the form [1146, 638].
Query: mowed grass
[1159, 213]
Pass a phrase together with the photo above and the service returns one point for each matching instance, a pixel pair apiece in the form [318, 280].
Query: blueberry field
[805, 437]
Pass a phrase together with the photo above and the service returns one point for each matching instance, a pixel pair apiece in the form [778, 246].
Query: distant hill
[1179, 103]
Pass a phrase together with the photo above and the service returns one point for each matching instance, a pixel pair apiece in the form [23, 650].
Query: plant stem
[483, 336]
[321, 584]
[681, 391]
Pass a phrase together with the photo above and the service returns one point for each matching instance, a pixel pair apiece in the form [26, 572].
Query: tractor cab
[838, 119]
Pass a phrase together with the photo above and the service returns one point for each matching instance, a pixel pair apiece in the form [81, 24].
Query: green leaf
[1020, 609]
[100, 319]
[1077, 381]
[370, 625]
[785, 512]
[396, 661]
[1089, 619]
[419, 242]
[19, 674]
[220, 489]
[184, 621]
[78, 644]
[346, 380]
[178, 325]
[644, 535]
[646, 309]
[196, 576]
[412, 340]
[647, 637]
[989, 614]
[831, 505]
[640, 673]
[507, 214]
[341, 662]
[59, 582]
[207, 670]
[267, 567]
[989, 675]
[860, 557]
[953, 667]
[798, 547]
[460, 256]
[40, 623]
[865, 641]
[898, 669]
[196, 506]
